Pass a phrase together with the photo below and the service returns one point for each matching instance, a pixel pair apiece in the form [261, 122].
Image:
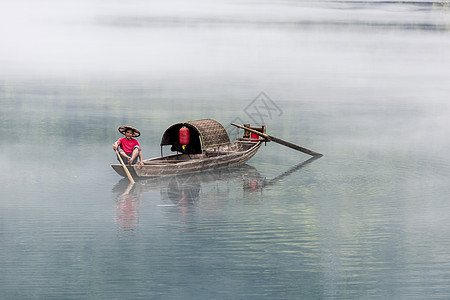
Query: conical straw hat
[123, 129]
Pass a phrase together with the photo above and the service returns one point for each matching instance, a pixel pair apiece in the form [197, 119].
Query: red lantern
[184, 136]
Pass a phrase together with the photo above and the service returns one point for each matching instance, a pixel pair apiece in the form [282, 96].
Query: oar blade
[280, 141]
[295, 147]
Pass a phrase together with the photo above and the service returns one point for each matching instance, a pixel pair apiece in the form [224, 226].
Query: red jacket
[128, 145]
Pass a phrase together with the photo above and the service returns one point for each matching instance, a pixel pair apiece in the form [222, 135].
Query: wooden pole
[125, 168]
[279, 141]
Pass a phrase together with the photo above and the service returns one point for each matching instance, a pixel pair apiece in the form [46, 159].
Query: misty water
[366, 83]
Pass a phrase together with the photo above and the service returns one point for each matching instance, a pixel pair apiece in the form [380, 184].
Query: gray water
[364, 83]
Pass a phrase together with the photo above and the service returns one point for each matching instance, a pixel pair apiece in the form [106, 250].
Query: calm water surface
[365, 83]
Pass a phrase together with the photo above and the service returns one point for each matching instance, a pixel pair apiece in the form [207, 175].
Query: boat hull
[207, 161]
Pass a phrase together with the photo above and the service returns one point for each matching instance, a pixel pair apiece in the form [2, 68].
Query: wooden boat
[186, 181]
[209, 148]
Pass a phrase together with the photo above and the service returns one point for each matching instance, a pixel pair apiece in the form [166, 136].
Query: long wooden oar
[125, 168]
[279, 141]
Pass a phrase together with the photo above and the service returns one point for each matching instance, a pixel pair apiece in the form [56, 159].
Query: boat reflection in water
[187, 192]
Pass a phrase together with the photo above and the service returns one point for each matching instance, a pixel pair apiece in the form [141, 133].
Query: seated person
[129, 148]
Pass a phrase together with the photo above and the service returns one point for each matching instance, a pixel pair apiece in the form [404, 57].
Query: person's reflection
[128, 206]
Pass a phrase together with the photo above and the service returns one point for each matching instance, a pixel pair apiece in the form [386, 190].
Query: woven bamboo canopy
[203, 134]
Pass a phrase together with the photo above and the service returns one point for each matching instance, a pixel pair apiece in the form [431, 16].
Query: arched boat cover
[203, 134]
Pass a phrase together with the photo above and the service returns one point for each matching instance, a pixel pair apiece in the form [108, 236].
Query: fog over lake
[366, 83]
